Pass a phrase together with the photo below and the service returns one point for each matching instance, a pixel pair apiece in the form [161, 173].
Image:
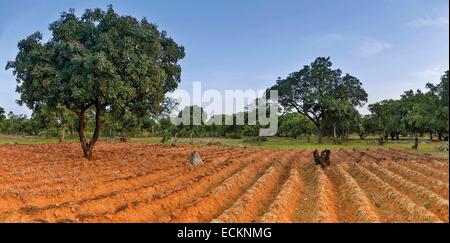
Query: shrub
[256, 140]
[443, 147]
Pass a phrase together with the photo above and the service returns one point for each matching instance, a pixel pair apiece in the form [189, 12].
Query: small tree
[100, 61]
[192, 118]
[294, 125]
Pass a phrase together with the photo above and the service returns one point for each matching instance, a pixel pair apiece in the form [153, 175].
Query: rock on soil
[195, 159]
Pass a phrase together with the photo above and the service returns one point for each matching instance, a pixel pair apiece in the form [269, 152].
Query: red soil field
[155, 183]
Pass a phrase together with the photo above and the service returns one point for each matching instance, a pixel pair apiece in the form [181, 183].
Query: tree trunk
[320, 136]
[81, 130]
[88, 147]
[334, 132]
[431, 136]
[416, 143]
[392, 136]
[61, 134]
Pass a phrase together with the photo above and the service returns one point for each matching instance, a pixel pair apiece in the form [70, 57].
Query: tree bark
[334, 132]
[320, 135]
[61, 134]
[88, 147]
[416, 143]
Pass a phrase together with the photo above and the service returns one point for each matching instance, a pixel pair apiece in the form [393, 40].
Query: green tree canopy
[2, 114]
[101, 61]
[294, 125]
[318, 91]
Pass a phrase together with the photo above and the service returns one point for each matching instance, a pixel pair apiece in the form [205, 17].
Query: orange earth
[154, 183]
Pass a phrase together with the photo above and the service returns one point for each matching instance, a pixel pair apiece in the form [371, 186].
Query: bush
[165, 136]
[256, 140]
[214, 143]
[443, 147]
[234, 135]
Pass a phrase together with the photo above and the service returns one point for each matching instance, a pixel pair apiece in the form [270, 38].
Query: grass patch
[271, 143]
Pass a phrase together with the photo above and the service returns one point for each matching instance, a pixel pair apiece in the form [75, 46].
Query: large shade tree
[101, 61]
[317, 91]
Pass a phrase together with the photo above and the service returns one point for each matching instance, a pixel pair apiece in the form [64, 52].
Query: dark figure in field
[316, 155]
[323, 158]
[381, 140]
[416, 143]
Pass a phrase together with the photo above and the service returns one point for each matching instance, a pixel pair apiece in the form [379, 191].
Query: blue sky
[390, 45]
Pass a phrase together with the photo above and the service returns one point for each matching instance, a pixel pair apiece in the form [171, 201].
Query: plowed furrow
[49, 182]
[353, 200]
[132, 191]
[136, 180]
[438, 165]
[282, 209]
[324, 201]
[430, 172]
[413, 155]
[253, 202]
[222, 197]
[160, 206]
[102, 173]
[418, 194]
[128, 183]
[418, 178]
[52, 165]
[395, 154]
[390, 200]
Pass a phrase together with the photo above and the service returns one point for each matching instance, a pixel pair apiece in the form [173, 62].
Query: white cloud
[428, 22]
[372, 47]
[432, 74]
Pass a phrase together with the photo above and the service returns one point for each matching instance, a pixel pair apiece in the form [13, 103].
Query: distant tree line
[415, 114]
[315, 102]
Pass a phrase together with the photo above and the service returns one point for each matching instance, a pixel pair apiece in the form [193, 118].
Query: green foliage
[100, 60]
[443, 147]
[294, 125]
[255, 140]
[319, 92]
[415, 113]
[2, 114]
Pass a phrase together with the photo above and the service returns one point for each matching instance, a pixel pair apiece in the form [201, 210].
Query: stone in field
[195, 159]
